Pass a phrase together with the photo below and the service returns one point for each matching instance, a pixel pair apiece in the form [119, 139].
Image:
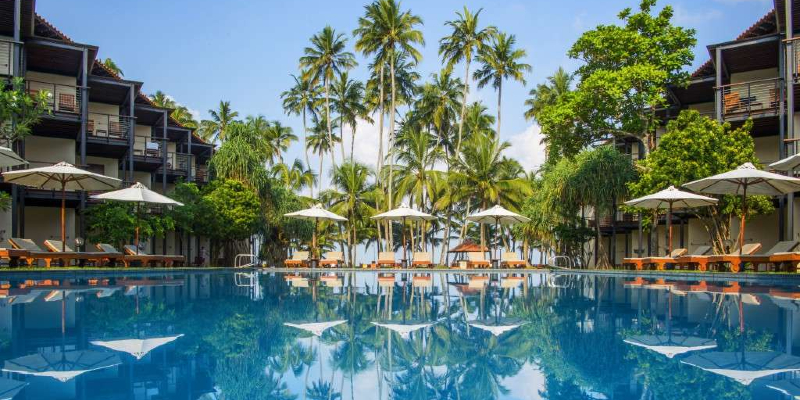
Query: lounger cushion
[26, 244]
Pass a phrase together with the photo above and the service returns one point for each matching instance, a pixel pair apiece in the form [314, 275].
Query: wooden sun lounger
[701, 263]
[165, 260]
[14, 256]
[477, 260]
[421, 259]
[35, 253]
[299, 259]
[108, 258]
[386, 258]
[639, 263]
[780, 254]
[512, 260]
[332, 258]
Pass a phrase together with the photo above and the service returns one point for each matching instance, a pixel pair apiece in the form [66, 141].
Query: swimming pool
[363, 335]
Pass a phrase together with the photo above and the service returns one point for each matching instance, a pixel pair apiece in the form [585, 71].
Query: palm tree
[110, 64]
[501, 61]
[545, 94]
[301, 99]
[478, 120]
[384, 30]
[162, 99]
[325, 58]
[184, 117]
[217, 126]
[479, 174]
[464, 41]
[350, 180]
[281, 137]
[296, 176]
[320, 141]
[349, 104]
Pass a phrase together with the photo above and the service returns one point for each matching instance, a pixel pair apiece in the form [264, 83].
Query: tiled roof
[47, 27]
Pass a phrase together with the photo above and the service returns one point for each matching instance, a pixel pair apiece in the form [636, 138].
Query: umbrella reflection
[63, 366]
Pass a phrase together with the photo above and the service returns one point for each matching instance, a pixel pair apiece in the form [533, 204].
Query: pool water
[267, 335]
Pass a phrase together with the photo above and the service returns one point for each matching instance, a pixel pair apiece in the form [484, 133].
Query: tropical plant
[111, 65]
[216, 127]
[302, 99]
[499, 61]
[21, 109]
[462, 44]
[350, 197]
[296, 176]
[323, 60]
[236, 213]
[320, 142]
[349, 104]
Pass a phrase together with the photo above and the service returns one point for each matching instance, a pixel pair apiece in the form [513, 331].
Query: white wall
[49, 150]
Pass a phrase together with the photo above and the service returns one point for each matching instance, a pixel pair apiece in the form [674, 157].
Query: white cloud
[367, 141]
[527, 148]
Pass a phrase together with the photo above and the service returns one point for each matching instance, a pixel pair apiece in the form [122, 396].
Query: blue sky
[203, 51]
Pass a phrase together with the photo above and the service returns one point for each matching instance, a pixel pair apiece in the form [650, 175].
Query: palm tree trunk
[391, 139]
[321, 157]
[352, 141]
[341, 137]
[305, 147]
[463, 103]
[328, 117]
[499, 100]
[379, 164]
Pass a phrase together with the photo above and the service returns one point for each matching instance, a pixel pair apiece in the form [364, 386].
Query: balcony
[61, 98]
[621, 219]
[201, 174]
[6, 57]
[107, 126]
[177, 163]
[754, 98]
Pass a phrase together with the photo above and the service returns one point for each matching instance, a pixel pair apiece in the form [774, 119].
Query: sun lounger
[108, 258]
[332, 258]
[779, 254]
[386, 258]
[299, 259]
[701, 263]
[127, 259]
[477, 260]
[8, 252]
[421, 259]
[167, 260]
[639, 263]
[37, 253]
[511, 259]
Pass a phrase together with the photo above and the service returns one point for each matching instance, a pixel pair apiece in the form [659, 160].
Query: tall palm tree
[296, 176]
[325, 58]
[349, 104]
[384, 30]
[464, 41]
[110, 64]
[184, 117]
[162, 99]
[545, 94]
[321, 142]
[500, 61]
[478, 120]
[217, 126]
[301, 99]
[352, 191]
[440, 100]
[280, 137]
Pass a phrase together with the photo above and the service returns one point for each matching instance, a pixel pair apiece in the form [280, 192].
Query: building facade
[99, 121]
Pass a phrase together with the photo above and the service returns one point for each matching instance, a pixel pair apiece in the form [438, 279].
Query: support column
[16, 48]
[84, 126]
[718, 85]
[790, 134]
[131, 129]
[165, 119]
[781, 140]
[191, 157]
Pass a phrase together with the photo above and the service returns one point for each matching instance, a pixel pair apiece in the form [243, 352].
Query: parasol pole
[744, 215]
[496, 247]
[314, 238]
[136, 229]
[63, 216]
[669, 230]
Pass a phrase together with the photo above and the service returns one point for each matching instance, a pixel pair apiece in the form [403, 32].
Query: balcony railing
[61, 98]
[178, 163]
[795, 54]
[147, 148]
[108, 126]
[619, 217]
[201, 174]
[749, 98]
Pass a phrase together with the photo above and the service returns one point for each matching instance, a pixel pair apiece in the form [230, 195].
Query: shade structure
[669, 199]
[497, 327]
[62, 176]
[136, 347]
[8, 158]
[139, 194]
[744, 180]
[671, 345]
[315, 213]
[786, 164]
[404, 213]
[62, 366]
[10, 387]
[403, 329]
[744, 367]
[315, 328]
[789, 387]
[497, 215]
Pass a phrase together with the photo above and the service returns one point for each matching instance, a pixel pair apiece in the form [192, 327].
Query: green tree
[500, 61]
[110, 64]
[323, 60]
[296, 176]
[236, 212]
[351, 195]
[349, 104]
[216, 128]
[464, 41]
[320, 142]
[20, 110]
[243, 156]
[116, 222]
[302, 99]
[694, 147]
[626, 71]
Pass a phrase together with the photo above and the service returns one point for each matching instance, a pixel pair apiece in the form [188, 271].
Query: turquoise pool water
[264, 335]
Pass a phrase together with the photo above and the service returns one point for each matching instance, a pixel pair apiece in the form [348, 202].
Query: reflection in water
[256, 335]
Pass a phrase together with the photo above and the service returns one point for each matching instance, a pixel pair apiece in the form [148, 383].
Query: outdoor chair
[98, 258]
[11, 254]
[386, 258]
[701, 263]
[127, 259]
[332, 258]
[477, 260]
[641, 262]
[781, 251]
[35, 253]
[510, 259]
[166, 260]
[421, 259]
[299, 259]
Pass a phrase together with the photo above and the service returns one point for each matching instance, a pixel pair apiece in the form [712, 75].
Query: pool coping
[770, 278]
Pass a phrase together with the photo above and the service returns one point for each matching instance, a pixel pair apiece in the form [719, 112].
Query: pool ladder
[244, 260]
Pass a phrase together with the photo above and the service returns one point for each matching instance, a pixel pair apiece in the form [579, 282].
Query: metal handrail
[108, 125]
[746, 98]
[247, 257]
[61, 98]
[154, 152]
